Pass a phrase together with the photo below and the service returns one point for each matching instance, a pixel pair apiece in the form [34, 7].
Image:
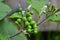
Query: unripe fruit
[35, 30]
[31, 13]
[19, 20]
[29, 27]
[24, 19]
[26, 23]
[32, 23]
[35, 26]
[20, 9]
[20, 14]
[29, 19]
[28, 14]
[29, 30]
[16, 22]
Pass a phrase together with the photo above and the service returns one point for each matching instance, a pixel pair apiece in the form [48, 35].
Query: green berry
[35, 30]
[26, 23]
[29, 19]
[31, 13]
[20, 9]
[24, 19]
[35, 26]
[19, 13]
[16, 22]
[32, 23]
[29, 27]
[29, 30]
[19, 20]
[28, 14]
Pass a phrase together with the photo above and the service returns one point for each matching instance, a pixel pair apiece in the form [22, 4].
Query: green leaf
[9, 28]
[3, 36]
[19, 37]
[54, 18]
[4, 9]
[16, 15]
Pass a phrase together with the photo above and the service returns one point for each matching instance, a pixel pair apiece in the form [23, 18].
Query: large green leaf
[3, 36]
[10, 29]
[19, 37]
[7, 27]
[54, 18]
[16, 15]
[4, 9]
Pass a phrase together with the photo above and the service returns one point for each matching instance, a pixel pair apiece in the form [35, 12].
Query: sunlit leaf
[54, 18]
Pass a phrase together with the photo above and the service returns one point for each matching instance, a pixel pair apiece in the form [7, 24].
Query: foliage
[3, 10]
[0, 0]
[37, 5]
[53, 13]
[54, 18]
[9, 28]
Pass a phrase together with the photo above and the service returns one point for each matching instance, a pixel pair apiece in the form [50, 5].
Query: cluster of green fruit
[29, 24]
